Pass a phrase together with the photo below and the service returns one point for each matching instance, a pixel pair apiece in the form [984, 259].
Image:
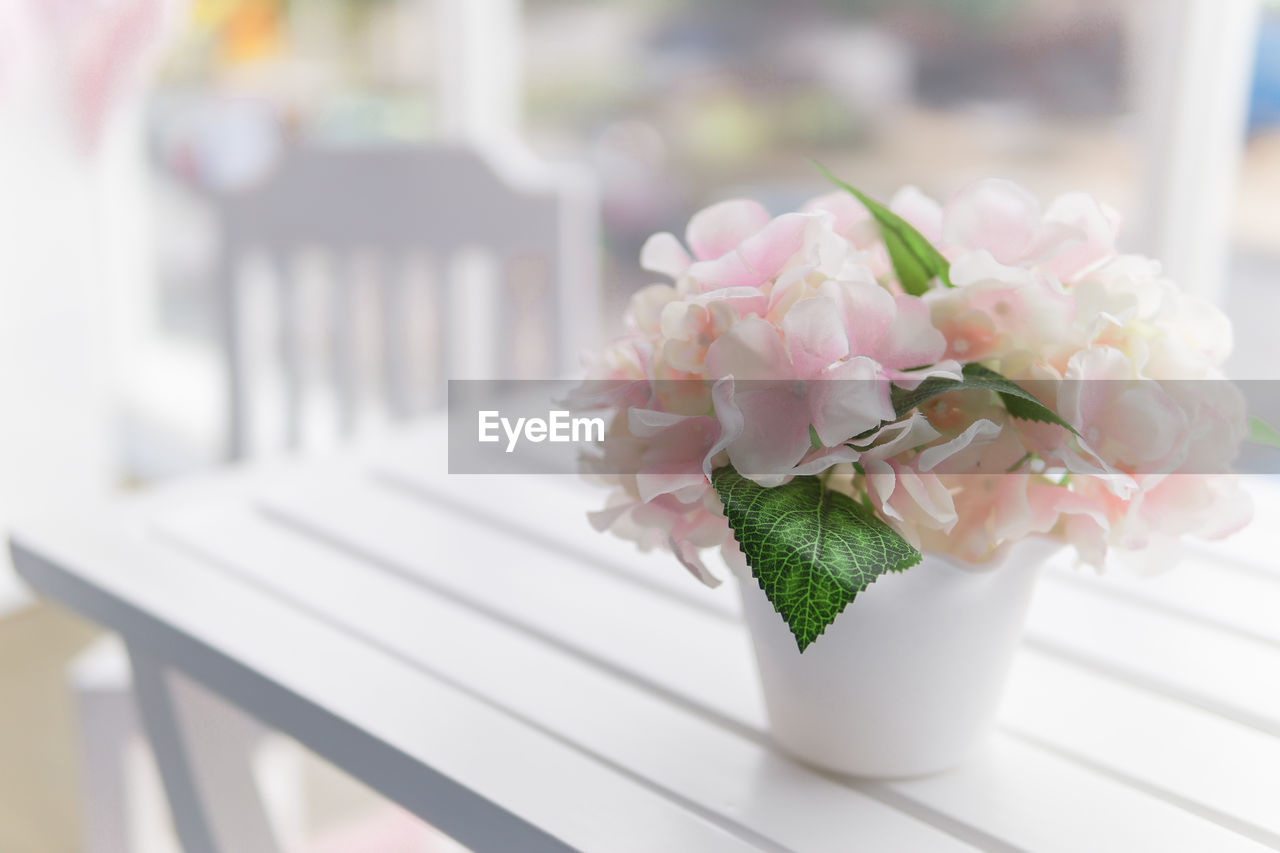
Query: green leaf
[1017, 400]
[812, 550]
[814, 441]
[915, 261]
[1261, 432]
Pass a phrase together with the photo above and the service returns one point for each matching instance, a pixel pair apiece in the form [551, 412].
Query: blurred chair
[123, 800]
[391, 270]
[352, 283]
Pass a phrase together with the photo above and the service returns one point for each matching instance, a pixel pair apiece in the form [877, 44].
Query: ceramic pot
[908, 679]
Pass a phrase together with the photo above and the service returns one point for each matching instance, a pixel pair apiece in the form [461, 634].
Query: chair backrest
[381, 272]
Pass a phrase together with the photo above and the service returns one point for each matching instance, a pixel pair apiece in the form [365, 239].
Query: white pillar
[479, 69]
[55, 311]
[1192, 66]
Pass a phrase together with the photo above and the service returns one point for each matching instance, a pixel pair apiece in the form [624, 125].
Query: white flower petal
[662, 253]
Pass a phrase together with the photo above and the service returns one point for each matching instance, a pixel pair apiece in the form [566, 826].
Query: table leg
[203, 748]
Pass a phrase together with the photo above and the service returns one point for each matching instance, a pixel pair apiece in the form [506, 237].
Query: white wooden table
[472, 649]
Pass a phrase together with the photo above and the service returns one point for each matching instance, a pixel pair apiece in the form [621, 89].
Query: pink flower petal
[866, 309]
[647, 423]
[1232, 508]
[820, 460]
[670, 478]
[923, 500]
[1094, 226]
[979, 432]
[718, 229]
[752, 349]
[881, 481]
[763, 257]
[911, 379]
[849, 399]
[815, 335]
[981, 266]
[730, 418]
[995, 215]
[647, 304]
[768, 251]
[911, 339]
[899, 436]
[847, 211]
[673, 461]
[775, 435]
[688, 555]
[603, 519]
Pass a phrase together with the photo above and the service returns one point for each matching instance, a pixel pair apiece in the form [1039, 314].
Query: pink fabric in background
[94, 47]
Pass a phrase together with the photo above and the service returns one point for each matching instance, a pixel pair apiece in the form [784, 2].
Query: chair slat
[394, 200]
[396, 351]
[289, 337]
[343, 344]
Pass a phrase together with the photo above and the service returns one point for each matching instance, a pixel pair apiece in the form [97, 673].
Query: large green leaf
[811, 549]
[1019, 402]
[915, 261]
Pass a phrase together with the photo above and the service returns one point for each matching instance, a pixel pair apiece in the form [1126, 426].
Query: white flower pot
[908, 678]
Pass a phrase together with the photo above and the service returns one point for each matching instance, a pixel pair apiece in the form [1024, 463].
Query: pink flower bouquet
[825, 394]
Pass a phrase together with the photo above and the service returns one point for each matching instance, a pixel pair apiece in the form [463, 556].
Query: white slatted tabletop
[471, 648]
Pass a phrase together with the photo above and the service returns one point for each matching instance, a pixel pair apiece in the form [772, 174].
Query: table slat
[1213, 765]
[696, 760]
[398, 531]
[1234, 676]
[1203, 660]
[1141, 716]
[437, 751]
[1220, 593]
[550, 591]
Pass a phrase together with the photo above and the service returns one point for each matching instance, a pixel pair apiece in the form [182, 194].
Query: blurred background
[198, 198]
